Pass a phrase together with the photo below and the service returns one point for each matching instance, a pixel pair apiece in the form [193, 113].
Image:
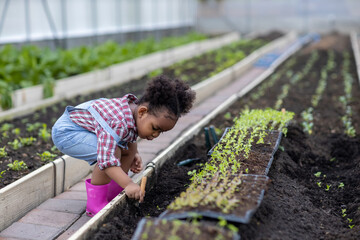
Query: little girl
[104, 132]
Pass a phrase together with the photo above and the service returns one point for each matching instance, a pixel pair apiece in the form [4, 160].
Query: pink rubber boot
[114, 190]
[96, 197]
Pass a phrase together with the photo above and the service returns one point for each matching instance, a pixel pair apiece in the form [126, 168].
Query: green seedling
[6, 127]
[2, 173]
[16, 144]
[351, 226]
[16, 131]
[17, 165]
[247, 170]
[319, 184]
[33, 127]
[341, 185]
[343, 212]
[3, 152]
[27, 141]
[327, 187]
[281, 148]
[318, 174]
[349, 220]
[227, 116]
[333, 159]
[44, 133]
[47, 156]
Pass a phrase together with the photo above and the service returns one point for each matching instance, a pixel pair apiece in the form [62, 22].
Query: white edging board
[355, 42]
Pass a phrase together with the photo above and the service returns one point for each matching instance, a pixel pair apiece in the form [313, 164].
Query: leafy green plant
[341, 185]
[318, 174]
[27, 141]
[17, 165]
[2, 173]
[327, 187]
[44, 133]
[16, 144]
[46, 156]
[3, 152]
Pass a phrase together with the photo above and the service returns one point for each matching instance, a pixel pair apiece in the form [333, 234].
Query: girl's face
[150, 126]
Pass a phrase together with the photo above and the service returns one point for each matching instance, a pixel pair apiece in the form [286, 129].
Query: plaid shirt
[117, 114]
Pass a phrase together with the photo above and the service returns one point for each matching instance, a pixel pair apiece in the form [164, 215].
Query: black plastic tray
[203, 226]
[245, 218]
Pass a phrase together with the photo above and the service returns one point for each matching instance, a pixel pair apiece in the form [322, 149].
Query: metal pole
[3, 15]
[64, 22]
[94, 20]
[51, 22]
[27, 21]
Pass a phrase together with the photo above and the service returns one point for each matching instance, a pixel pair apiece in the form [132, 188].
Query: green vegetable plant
[17, 165]
[44, 133]
[2, 173]
[27, 141]
[16, 144]
[3, 152]
[47, 156]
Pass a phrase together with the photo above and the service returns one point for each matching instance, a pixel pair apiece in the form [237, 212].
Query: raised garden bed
[314, 178]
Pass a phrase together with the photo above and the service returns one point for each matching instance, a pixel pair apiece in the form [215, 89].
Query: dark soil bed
[299, 203]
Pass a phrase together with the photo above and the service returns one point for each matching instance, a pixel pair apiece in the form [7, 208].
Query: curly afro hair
[175, 95]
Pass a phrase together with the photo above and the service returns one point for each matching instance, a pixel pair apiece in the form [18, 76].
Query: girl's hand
[136, 165]
[133, 190]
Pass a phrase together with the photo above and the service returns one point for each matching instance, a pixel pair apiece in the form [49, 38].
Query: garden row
[31, 154]
[314, 189]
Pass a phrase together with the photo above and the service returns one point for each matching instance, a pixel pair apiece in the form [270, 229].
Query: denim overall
[76, 141]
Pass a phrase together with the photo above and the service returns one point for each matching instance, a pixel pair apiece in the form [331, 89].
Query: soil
[30, 154]
[298, 204]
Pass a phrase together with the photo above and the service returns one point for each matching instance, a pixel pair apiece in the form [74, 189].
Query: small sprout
[247, 170]
[351, 226]
[327, 187]
[2, 173]
[16, 131]
[343, 212]
[16, 144]
[318, 174]
[3, 152]
[227, 116]
[281, 148]
[349, 220]
[319, 184]
[333, 159]
[341, 185]
[17, 165]
[46, 156]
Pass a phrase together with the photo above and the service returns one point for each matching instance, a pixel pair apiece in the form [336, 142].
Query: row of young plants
[44, 118]
[308, 113]
[295, 78]
[212, 62]
[218, 188]
[330, 159]
[31, 65]
[219, 179]
[347, 98]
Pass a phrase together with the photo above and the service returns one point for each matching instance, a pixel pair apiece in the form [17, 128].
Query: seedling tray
[250, 194]
[161, 229]
[262, 153]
